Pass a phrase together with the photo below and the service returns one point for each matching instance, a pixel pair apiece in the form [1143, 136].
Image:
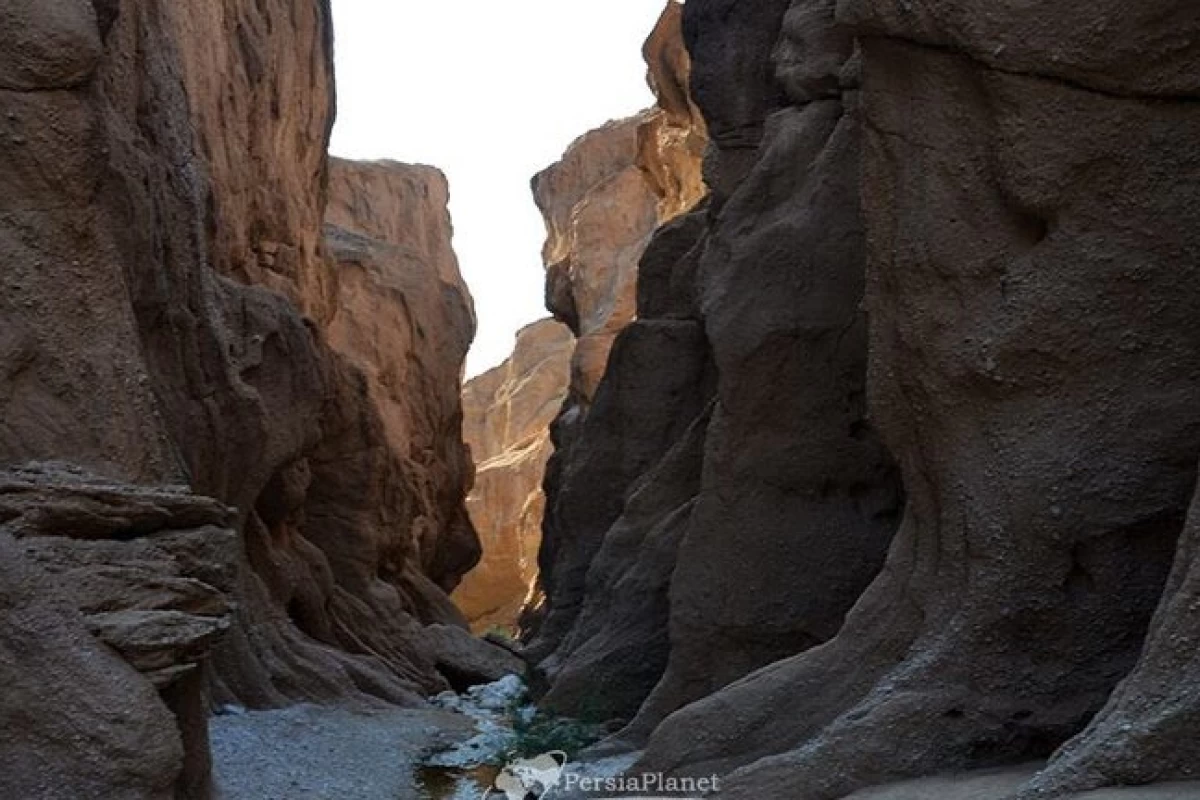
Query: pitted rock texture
[1147, 730]
[1031, 238]
[1024, 250]
[732, 449]
[266, 225]
[507, 413]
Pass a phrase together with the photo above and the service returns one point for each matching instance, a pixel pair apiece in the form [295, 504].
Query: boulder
[466, 660]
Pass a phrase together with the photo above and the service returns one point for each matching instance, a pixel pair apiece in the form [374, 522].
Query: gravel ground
[327, 753]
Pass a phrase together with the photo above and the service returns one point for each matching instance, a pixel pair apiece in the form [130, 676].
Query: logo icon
[526, 777]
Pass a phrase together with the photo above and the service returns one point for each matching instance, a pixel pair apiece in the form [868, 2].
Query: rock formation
[101, 582]
[1029, 364]
[232, 433]
[613, 187]
[998, 289]
[880, 434]
[608, 436]
[604, 199]
[404, 318]
[507, 413]
[727, 444]
[599, 212]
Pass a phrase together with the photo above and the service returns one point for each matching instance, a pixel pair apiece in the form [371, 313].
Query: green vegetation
[541, 733]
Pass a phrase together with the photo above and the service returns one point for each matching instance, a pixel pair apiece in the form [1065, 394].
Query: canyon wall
[602, 203]
[507, 414]
[725, 500]
[230, 433]
[947, 247]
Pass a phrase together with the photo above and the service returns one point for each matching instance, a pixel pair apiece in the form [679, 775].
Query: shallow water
[467, 770]
[454, 783]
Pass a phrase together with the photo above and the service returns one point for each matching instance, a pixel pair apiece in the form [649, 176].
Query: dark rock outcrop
[607, 437]
[1032, 368]
[1009, 197]
[727, 445]
[103, 581]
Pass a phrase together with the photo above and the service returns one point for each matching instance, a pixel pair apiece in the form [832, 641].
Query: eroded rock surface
[103, 582]
[1013, 211]
[507, 413]
[1030, 366]
[593, 259]
[405, 319]
[175, 313]
[745, 501]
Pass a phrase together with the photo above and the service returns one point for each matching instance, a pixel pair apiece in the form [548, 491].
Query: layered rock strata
[112, 596]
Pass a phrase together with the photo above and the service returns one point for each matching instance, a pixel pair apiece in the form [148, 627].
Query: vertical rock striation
[360, 537]
[727, 444]
[1024, 247]
[507, 415]
[405, 318]
[1032, 367]
[602, 203]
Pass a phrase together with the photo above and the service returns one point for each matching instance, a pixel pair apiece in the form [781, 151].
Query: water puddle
[455, 783]
[467, 770]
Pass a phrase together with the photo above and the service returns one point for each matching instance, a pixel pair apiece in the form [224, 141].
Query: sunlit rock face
[250, 479]
[605, 198]
[601, 203]
[405, 320]
[507, 413]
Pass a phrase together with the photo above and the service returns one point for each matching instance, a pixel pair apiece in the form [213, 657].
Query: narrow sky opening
[491, 92]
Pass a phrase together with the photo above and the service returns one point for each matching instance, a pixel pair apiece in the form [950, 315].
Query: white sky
[490, 91]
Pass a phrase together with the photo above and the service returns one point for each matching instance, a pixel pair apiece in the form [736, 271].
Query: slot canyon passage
[856, 456]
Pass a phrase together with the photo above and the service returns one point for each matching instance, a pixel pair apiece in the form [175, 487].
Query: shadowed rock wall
[963, 233]
[1031, 366]
[727, 444]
